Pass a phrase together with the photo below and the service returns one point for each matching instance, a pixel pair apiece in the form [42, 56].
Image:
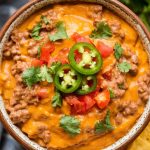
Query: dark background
[8, 7]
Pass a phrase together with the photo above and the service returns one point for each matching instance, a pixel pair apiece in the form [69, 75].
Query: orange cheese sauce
[76, 20]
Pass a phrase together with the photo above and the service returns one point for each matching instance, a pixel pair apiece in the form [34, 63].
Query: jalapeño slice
[88, 85]
[67, 79]
[85, 58]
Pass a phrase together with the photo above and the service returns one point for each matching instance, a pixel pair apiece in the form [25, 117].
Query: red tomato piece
[46, 50]
[96, 92]
[88, 100]
[37, 63]
[103, 99]
[62, 57]
[78, 56]
[51, 60]
[104, 49]
[107, 75]
[77, 107]
[43, 93]
[78, 38]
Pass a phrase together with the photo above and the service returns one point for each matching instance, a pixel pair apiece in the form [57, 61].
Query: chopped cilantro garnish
[112, 94]
[60, 32]
[39, 52]
[70, 125]
[124, 67]
[35, 74]
[118, 50]
[36, 32]
[44, 75]
[102, 31]
[45, 20]
[54, 67]
[30, 77]
[57, 100]
[104, 125]
[121, 86]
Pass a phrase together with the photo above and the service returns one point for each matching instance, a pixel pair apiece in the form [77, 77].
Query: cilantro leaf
[57, 100]
[102, 31]
[104, 125]
[121, 86]
[36, 32]
[112, 94]
[29, 76]
[54, 67]
[70, 125]
[124, 67]
[45, 20]
[35, 74]
[118, 51]
[44, 75]
[39, 52]
[60, 33]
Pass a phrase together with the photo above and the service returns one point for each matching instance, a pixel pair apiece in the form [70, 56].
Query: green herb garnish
[102, 31]
[30, 77]
[44, 75]
[36, 32]
[54, 67]
[70, 125]
[36, 74]
[57, 100]
[112, 94]
[60, 32]
[124, 67]
[39, 52]
[121, 86]
[45, 20]
[118, 51]
[104, 125]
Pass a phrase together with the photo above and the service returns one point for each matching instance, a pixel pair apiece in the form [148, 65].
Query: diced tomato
[46, 50]
[78, 38]
[62, 57]
[103, 99]
[104, 49]
[77, 107]
[88, 100]
[43, 93]
[96, 92]
[78, 56]
[37, 63]
[107, 75]
[81, 104]
[51, 60]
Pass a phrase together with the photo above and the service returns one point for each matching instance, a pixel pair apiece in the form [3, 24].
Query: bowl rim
[33, 2]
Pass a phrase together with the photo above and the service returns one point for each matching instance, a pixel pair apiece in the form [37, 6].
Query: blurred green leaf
[141, 8]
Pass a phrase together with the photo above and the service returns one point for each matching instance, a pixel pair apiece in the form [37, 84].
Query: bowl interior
[110, 4]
